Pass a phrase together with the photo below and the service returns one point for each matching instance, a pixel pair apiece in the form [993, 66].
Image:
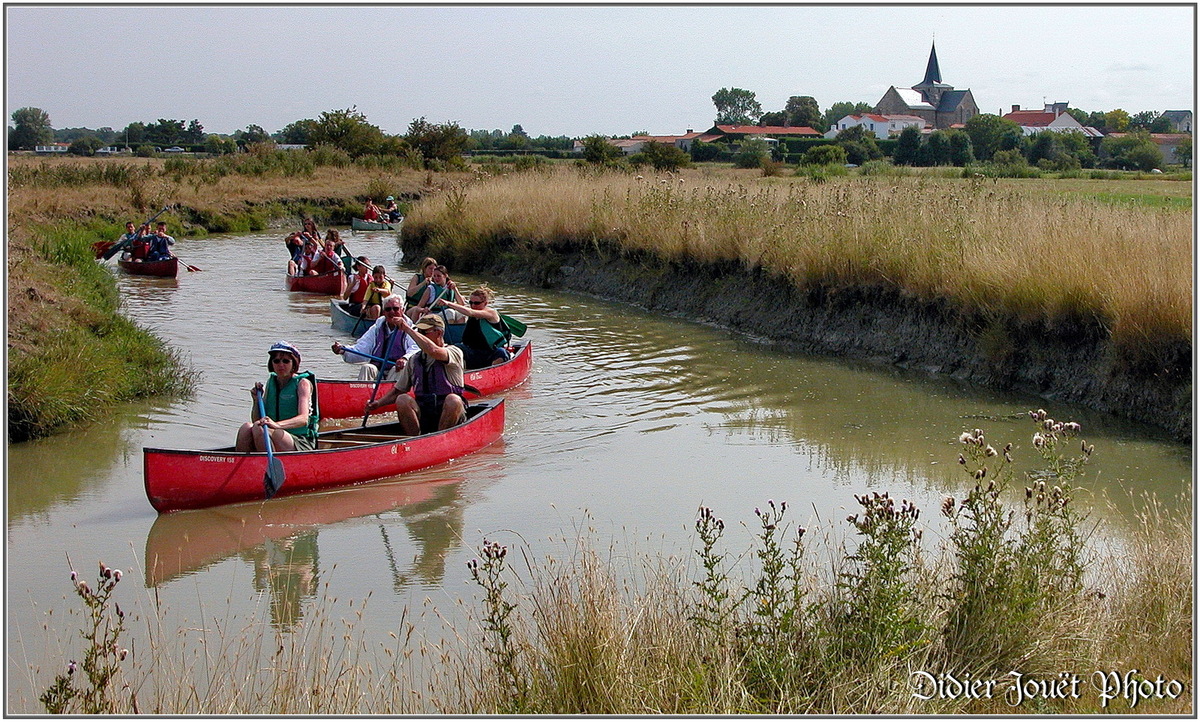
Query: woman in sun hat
[290, 403]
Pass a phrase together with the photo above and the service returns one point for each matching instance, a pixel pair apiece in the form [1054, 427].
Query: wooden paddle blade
[274, 477]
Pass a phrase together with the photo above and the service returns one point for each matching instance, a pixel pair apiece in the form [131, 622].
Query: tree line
[737, 106]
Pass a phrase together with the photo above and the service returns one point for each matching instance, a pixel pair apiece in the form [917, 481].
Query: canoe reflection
[279, 537]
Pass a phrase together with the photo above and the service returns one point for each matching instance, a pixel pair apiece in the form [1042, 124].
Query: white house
[56, 148]
[883, 126]
[1053, 117]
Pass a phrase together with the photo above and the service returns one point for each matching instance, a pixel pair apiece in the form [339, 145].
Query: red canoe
[167, 269]
[330, 284]
[183, 479]
[346, 399]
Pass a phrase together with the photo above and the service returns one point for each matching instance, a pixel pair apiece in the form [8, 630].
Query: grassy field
[1033, 252]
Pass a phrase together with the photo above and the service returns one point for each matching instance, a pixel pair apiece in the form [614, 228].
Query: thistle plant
[1010, 578]
[881, 617]
[714, 606]
[89, 687]
[499, 642]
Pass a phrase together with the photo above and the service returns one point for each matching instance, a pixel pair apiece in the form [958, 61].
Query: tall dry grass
[997, 250]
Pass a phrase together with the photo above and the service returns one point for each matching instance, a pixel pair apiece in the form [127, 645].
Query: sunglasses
[397, 309]
[281, 359]
[473, 302]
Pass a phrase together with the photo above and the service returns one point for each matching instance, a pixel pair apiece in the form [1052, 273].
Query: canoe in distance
[330, 284]
[165, 269]
[360, 224]
[179, 479]
[348, 399]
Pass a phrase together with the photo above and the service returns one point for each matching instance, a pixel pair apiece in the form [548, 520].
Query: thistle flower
[116, 575]
[981, 473]
[965, 437]
[947, 505]
[989, 451]
[71, 667]
[1039, 441]
[962, 460]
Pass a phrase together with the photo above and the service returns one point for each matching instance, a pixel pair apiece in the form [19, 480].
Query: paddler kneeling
[435, 374]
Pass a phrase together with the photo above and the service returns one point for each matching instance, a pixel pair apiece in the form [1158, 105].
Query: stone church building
[940, 105]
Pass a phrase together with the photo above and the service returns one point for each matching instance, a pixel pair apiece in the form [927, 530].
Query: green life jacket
[285, 403]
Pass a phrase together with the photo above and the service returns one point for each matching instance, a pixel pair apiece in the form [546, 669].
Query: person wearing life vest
[356, 289]
[486, 336]
[435, 374]
[385, 339]
[290, 401]
[378, 289]
[160, 244]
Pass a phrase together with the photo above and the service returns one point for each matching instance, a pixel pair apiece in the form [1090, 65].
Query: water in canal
[628, 423]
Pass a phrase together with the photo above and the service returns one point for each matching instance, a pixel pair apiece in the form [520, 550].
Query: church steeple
[933, 73]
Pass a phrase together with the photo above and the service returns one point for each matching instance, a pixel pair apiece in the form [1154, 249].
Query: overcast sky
[574, 70]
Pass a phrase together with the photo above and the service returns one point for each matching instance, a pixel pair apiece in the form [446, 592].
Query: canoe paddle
[274, 477]
[118, 247]
[383, 368]
[185, 265]
[518, 329]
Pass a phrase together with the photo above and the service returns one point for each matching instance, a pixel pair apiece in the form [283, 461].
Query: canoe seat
[366, 438]
[340, 443]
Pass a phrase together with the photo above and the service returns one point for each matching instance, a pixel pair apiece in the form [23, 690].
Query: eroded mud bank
[1072, 362]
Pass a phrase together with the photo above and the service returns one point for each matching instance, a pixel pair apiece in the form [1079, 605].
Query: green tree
[347, 130]
[775, 117]
[841, 109]
[297, 132]
[986, 130]
[860, 145]
[518, 130]
[1142, 119]
[1162, 124]
[736, 107]
[1080, 115]
[702, 151]
[437, 141]
[87, 145]
[194, 134]
[598, 150]
[165, 132]
[216, 145]
[1046, 145]
[1132, 151]
[1116, 121]
[802, 110]
[962, 152]
[1078, 146]
[1183, 152]
[936, 149]
[134, 134]
[1015, 139]
[908, 147]
[752, 153]
[31, 127]
[825, 155]
[252, 134]
[665, 157]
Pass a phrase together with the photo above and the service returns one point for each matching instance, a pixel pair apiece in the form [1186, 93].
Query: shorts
[304, 443]
[354, 309]
[430, 408]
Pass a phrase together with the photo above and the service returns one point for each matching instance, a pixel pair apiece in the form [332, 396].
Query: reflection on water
[629, 419]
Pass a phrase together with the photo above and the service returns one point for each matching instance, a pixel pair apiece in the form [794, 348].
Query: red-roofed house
[883, 126]
[1053, 117]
